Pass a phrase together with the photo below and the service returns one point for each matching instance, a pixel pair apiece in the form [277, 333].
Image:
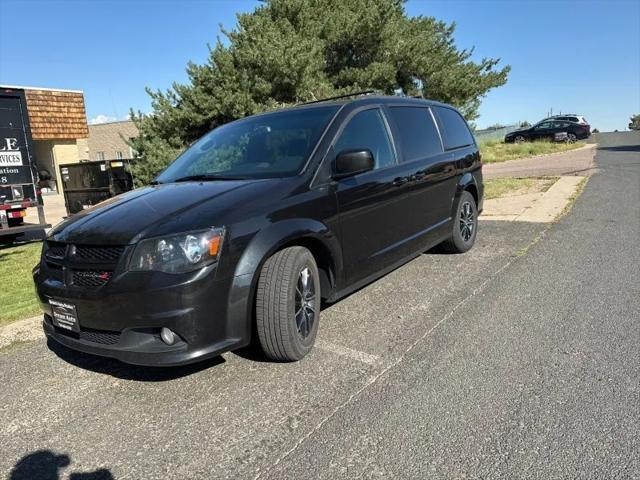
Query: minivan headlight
[178, 253]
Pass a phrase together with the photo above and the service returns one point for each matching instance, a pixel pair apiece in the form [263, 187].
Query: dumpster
[88, 183]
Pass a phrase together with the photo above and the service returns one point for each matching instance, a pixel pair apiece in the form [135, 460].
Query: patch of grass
[494, 151]
[17, 295]
[500, 187]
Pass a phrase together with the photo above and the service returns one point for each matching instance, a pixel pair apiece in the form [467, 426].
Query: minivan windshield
[265, 146]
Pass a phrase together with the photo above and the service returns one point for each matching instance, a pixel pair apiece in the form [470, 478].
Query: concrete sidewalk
[54, 210]
[574, 162]
[538, 207]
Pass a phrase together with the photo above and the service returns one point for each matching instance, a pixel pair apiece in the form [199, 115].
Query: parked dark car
[547, 129]
[256, 224]
[569, 117]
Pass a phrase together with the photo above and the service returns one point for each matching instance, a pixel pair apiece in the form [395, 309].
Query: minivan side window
[367, 130]
[417, 131]
[455, 132]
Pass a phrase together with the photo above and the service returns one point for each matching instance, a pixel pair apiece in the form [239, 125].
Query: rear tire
[465, 225]
[571, 138]
[288, 304]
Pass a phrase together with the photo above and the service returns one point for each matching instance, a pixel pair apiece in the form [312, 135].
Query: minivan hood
[126, 218]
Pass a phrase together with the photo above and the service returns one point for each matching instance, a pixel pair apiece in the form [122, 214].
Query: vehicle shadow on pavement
[124, 371]
[621, 148]
[46, 465]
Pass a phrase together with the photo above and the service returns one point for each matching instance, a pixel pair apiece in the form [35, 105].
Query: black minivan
[255, 226]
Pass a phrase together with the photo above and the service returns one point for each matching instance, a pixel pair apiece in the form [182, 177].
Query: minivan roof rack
[338, 97]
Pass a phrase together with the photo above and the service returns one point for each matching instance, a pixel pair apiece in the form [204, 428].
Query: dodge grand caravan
[255, 225]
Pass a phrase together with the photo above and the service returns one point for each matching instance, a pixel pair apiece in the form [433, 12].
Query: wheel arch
[467, 183]
[311, 234]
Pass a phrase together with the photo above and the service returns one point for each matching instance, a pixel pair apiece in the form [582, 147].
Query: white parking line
[349, 352]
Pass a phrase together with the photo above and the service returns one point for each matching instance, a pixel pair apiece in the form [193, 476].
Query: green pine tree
[290, 51]
[635, 122]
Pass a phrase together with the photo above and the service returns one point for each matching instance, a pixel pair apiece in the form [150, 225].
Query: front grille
[99, 254]
[55, 271]
[102, 337]
[91, 278]
[83, 266]
[55, 249]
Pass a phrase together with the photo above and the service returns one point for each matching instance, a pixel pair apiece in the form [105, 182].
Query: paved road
[518, 360]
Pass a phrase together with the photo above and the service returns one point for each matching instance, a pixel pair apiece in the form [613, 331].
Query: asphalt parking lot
[519, 359]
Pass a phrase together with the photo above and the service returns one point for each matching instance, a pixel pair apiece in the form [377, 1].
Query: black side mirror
[352, 162]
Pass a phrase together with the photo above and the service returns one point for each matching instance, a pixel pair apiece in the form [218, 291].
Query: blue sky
[572, 56]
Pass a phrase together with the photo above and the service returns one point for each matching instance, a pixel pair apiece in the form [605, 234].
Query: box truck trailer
[18, 172]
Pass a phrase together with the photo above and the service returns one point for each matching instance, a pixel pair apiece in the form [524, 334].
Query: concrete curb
[537, 207]
[553, 202]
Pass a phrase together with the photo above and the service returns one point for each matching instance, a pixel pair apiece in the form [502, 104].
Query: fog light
[167, 336]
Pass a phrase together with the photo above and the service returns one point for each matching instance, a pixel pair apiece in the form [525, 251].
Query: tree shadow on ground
[115, 368]
[46, 465]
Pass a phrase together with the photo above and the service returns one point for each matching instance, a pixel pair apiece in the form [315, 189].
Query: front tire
[288, 304]
[465, 225]
[519, 139]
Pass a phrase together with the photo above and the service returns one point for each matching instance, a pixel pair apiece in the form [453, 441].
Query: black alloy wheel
[464, 226]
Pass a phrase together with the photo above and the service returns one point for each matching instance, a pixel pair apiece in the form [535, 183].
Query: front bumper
[123, 319]
[139, 348]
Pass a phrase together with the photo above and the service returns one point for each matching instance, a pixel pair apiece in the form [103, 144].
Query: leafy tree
[290, 51]
[525, 124]
[635, 122]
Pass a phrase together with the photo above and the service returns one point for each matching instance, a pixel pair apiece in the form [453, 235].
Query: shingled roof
[56, 114]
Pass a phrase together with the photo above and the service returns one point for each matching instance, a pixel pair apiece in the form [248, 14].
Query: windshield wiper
[207, 178]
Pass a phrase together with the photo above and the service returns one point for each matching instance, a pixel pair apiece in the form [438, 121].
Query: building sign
[10, 155]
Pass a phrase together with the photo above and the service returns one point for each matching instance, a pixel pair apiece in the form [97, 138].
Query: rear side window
[454, 129]
[367, 130]
[417, 131]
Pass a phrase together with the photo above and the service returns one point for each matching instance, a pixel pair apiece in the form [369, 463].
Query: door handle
[400, 181]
